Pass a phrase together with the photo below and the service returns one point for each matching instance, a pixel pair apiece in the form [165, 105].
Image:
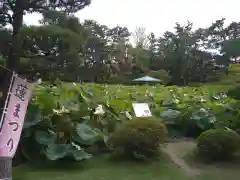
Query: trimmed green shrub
[139, 138]
[218, 144]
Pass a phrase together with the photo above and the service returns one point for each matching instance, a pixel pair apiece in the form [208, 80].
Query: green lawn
[101, 168]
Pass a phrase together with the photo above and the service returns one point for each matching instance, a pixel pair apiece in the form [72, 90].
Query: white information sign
[141, 110]
[99, 110]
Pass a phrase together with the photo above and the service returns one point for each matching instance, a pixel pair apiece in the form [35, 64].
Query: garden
[89, 130]
[68, 132]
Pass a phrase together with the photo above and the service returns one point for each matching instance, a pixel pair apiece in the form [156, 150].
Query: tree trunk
[12, 64]
[14, 53]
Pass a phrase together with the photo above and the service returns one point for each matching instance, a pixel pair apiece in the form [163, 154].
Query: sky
[155, 15]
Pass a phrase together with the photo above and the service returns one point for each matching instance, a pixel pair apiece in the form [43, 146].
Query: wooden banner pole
[5, 168]
[6, 162]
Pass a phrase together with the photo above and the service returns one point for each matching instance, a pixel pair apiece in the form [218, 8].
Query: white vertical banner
[13, 116]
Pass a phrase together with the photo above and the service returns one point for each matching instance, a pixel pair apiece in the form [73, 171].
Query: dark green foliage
[232, 123]
[186, 114]
[139, 138]
[51, 128]
[234, 93]
[61, 123]
[161, 74]
[230, 117]
[67, 49]
[218, 144]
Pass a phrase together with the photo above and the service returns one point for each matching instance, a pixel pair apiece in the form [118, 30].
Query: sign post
[142, 110]
[12, 120]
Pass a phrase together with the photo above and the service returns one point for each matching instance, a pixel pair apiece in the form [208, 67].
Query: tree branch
[10, 3]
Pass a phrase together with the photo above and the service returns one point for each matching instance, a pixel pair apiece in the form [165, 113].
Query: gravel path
[176, 150]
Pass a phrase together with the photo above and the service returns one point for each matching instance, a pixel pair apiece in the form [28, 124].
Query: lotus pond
[62, 125]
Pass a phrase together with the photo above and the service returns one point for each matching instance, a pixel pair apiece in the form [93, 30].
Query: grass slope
[100, 168]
